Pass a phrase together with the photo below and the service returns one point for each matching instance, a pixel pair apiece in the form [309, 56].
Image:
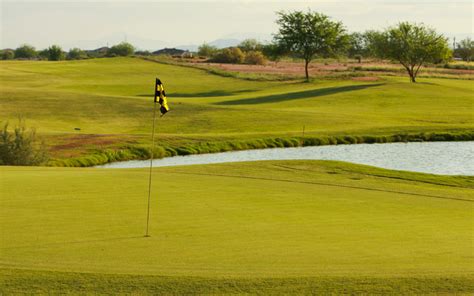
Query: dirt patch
[285, 68]
[79, 144]
[319, 69]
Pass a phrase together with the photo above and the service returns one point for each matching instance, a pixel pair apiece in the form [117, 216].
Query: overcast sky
[153, 24]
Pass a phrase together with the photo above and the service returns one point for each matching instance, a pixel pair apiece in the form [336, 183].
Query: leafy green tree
[43, 54]
[372, 40]
[250, 45]
[206, 50]
[121, 49]
[412, 45]
[309, 34]
[273, 51]
[20, 147]
[465, 49]
[76, 54]
[359, 45]
[7, 54]
[55, 53]
[25, 52]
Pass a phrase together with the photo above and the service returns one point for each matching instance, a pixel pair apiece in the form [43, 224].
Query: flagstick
[151, 168]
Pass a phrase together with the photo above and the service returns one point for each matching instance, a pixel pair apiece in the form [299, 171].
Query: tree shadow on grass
[299, 95]
[215, 93]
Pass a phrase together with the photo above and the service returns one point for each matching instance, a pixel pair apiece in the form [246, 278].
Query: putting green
[277, 219]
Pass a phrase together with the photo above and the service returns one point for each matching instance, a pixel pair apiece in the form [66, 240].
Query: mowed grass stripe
[327, 184]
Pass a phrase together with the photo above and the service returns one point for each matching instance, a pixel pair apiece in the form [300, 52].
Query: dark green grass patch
[14, 281]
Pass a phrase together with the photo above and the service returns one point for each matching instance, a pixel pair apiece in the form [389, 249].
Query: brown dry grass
[369, 69]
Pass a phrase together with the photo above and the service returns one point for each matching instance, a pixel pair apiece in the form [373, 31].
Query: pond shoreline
[126, 153]
[443, 158]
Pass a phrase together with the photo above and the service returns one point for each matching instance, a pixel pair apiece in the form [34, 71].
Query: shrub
[55, 53]
[121, 49]
[250, 45]
[273, 52]
[8, 55]
[459, 66]
[206, 50]
[232, 55]
[254, 58]
[143, 53]
[43, 54]
[76, 54]
[25, 52]
[20, 147]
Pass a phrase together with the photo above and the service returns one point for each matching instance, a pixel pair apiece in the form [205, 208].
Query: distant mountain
[219, 43]
[261, 37]
[153, 45]
[112, 39]
[191, 47]
[169, 51]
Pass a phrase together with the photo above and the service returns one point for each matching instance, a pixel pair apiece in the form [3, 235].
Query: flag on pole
[160, 97]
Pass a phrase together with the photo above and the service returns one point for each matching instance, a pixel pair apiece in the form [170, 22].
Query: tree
[7, 54]
[55, 53]
[250, 45]
[465, 49]
[359, 45]
[76, 54]
[273, 52]
[43, 54]
[412, 45]
[121, 49]
[206, 50]
[372, 40]
[309, 34]
[25, 52]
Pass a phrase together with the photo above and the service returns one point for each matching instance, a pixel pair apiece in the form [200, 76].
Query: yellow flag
[160, 97]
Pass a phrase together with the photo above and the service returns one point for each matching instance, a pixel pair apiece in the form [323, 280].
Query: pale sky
[155, 24]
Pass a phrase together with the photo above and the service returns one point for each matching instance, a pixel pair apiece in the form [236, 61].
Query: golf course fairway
[91, 112]
[236, 228]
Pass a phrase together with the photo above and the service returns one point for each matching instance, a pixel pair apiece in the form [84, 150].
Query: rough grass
[260, 228]
[110, 100]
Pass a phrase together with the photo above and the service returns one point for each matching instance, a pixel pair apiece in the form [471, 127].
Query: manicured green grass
[110, 101]
[261, 227]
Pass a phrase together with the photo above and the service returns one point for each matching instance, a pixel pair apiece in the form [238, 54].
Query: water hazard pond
[444, 158]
